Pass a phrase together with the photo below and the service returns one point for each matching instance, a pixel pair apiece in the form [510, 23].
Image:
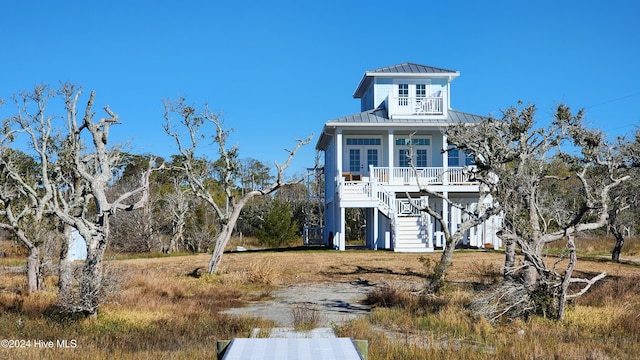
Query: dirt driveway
[336, 302]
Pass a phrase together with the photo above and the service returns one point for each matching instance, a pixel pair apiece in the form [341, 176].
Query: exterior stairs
[411, 235]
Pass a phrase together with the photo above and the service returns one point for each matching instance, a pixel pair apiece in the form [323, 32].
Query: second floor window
[454, 157]
[456, 160]
[419, 158]
[421, 91]
[403, 94]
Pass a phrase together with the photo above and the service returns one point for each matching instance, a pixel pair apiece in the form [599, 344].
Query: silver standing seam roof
[379, 117]
[411, 68]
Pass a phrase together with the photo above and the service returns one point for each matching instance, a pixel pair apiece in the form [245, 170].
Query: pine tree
[278, 228]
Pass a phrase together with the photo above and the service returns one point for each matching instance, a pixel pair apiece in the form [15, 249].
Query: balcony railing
[420, 176]
[431, 105]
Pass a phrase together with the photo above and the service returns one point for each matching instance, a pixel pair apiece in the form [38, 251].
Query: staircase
[410, 233]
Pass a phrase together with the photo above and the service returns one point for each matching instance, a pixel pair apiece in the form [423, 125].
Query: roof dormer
[407, 90]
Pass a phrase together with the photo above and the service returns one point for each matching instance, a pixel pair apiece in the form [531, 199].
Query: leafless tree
[76, 168]
[475, 215]
[23, 199]
[88, 208]
[625, 200]
[519, 156]
[178, 206]
[229, 209]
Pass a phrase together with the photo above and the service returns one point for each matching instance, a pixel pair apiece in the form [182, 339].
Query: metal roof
[404, 69]
[285, 349]
[411, 68]
[379, 117]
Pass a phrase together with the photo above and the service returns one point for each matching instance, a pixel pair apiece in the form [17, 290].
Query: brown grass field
[160, 310]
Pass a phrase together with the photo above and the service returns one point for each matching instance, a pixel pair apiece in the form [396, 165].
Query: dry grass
[305, 318]
[166, 309]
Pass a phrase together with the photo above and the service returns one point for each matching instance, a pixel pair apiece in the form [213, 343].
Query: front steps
[412, 235]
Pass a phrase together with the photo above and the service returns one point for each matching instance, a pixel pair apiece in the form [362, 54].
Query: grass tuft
[305, 318]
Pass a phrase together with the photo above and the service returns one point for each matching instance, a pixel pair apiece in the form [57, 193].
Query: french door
[360, 158]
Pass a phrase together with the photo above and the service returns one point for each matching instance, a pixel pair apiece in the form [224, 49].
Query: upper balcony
[421, 176]
[383, 179]
[415, 106]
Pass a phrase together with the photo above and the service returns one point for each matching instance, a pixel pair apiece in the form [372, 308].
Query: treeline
[177, 220]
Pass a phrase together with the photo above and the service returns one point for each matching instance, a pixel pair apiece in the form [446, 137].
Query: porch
[421, 176]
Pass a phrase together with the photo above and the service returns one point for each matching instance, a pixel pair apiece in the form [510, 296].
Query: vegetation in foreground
[166, 308]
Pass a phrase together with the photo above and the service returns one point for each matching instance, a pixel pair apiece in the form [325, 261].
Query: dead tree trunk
[65, 272]
[617, 248]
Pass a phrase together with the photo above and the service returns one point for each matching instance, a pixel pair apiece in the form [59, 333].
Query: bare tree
[625, 201]
[475, 215]
[178, 204]
[23, 198]
[519, 156]
[229, 210]
[87, 208]
[74, 178]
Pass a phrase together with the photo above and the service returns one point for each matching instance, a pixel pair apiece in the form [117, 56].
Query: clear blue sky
[278, 70]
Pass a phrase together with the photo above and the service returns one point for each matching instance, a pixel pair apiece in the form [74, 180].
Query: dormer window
[421, 91]
[403, 94]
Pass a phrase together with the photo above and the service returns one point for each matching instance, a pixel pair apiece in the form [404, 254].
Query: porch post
[445, 216]
[445, 160]
[390, 155]
[339, 153]
[374, 241]
[341, 237]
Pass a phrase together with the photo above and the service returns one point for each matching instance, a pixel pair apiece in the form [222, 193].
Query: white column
[445, 160]
[341, 237]
[376, 214]
[339, 153]
[445, 216]
[390, 155]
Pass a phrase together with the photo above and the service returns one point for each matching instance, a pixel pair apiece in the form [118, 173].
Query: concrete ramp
[292, 349]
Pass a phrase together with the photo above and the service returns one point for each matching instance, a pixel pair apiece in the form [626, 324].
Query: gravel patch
[336, 302]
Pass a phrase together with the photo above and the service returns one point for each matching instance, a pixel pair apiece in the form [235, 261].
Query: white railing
[356, 190]
[426, 176]
[403, 175]
[384, 197]
[405, 207]
[431, 105]
[371, 189]
[458, 175]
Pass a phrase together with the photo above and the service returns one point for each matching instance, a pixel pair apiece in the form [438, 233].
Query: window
[421, 91]
[403, 158]
[413, 141]
[372, 157]
[354, 159]
[468, 159]
[454, 157]
[403, 94]
[420, 147]
[421, 158]
[363, 141]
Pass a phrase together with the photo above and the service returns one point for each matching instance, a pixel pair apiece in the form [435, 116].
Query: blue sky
[278, 70]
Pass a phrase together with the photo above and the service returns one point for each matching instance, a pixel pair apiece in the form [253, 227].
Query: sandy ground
[336, 302]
